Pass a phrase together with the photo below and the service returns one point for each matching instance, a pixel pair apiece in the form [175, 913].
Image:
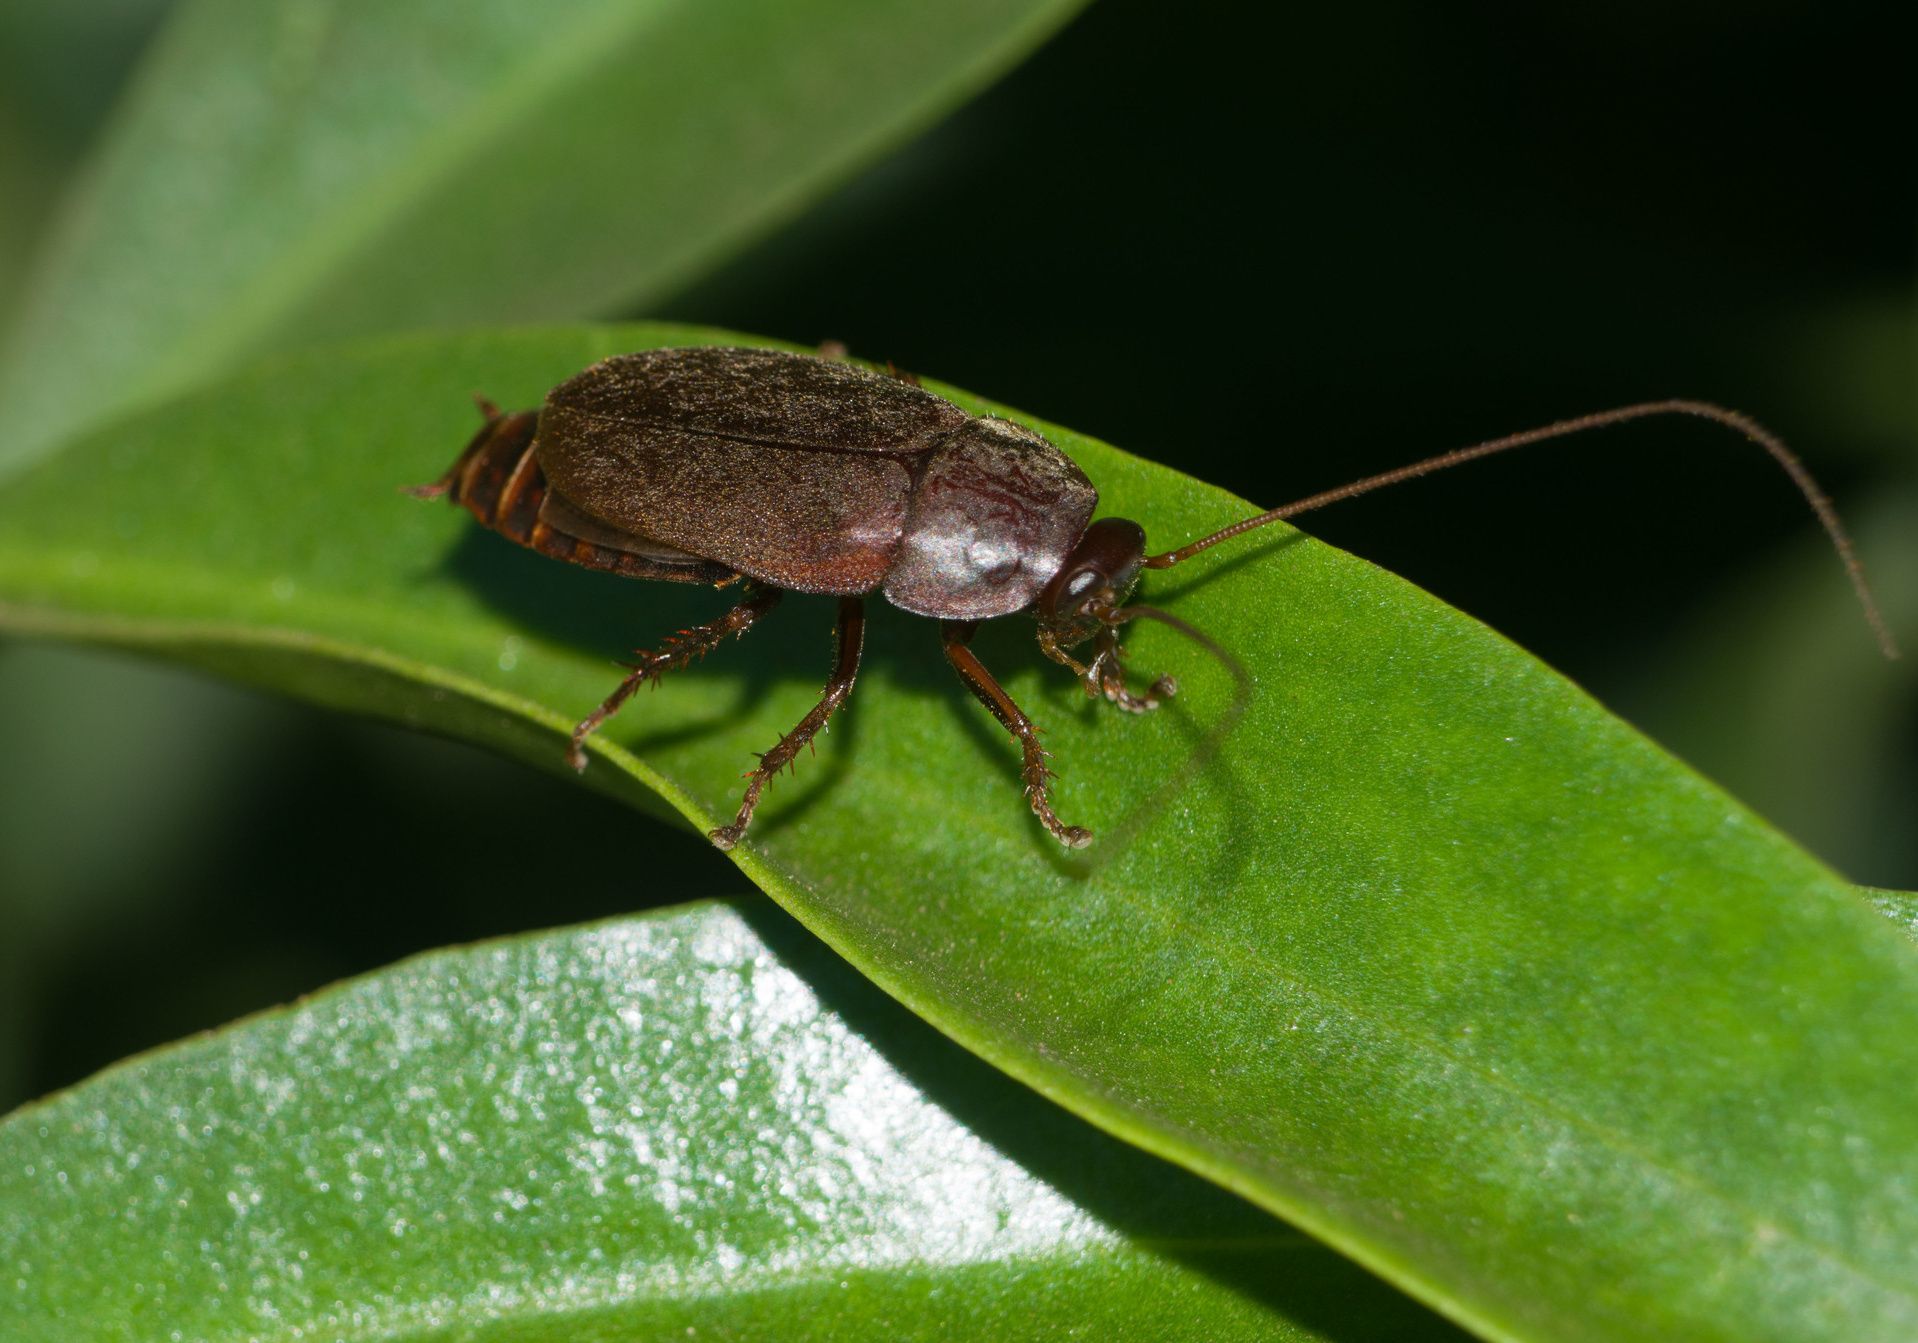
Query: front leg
[1105, 674]
[1038, 775]
[851, 637]
[1109, 669]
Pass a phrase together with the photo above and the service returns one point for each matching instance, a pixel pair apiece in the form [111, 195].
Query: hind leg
[850, 638]
[681, 649]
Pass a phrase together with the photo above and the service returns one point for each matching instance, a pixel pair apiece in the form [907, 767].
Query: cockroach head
[1094, 582]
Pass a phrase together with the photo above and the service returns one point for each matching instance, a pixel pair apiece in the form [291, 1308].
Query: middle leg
[851, 636]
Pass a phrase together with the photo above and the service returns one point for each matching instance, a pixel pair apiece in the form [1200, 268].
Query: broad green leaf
[1434, 957]
[288, 170]
[649, 1128]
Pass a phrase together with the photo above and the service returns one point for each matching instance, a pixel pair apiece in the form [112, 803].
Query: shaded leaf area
[697, 1120]
[283, 172]
[1433, 956]
[1839, 749]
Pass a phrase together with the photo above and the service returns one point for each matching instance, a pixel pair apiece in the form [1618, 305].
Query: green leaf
[1434, 957]
[688, 1122]
[282, 172]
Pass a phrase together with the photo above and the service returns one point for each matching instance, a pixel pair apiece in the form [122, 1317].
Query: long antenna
[1731, 419]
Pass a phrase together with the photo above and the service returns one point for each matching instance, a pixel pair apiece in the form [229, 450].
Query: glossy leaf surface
[286, 170]
[649, 1127]
[1434, 957]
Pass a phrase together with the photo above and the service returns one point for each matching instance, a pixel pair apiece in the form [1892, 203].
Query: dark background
[1277, 258]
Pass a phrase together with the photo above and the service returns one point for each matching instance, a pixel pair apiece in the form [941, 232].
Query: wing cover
[791, 469]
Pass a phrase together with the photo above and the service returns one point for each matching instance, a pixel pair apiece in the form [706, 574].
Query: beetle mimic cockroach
[807, 474]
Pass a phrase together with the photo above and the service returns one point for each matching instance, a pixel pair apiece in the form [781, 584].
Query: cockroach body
[809, 474]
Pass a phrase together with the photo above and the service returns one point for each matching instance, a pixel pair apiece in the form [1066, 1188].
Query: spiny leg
[679, 650]
[1109, 668]
[957, 634]
[1105, 675]
[849, 637]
